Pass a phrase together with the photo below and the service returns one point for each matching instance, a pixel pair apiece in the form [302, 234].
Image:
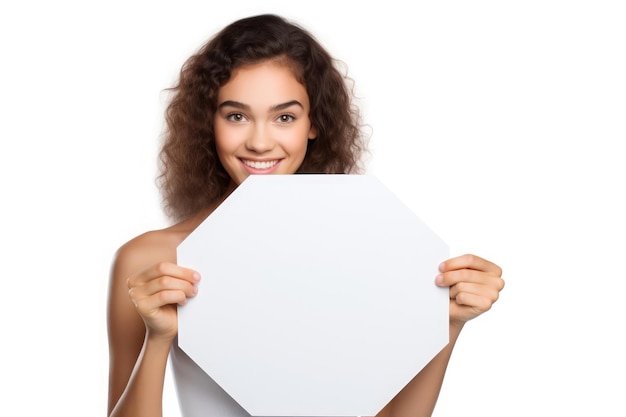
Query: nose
[260, 139]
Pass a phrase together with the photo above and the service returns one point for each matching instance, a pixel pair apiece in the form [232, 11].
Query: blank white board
[317, 295]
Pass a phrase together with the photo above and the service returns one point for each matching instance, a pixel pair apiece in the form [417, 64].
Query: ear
[312, 133]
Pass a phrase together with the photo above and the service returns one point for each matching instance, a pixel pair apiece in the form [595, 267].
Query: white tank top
[198, 395]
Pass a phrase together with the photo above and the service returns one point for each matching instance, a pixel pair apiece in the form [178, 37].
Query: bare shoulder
[147, 250]
[150, 248]
[133, 257]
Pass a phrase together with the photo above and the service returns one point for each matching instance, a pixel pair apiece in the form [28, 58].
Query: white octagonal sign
[317, 295]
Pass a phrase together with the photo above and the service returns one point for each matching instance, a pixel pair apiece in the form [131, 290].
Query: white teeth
[260, 164]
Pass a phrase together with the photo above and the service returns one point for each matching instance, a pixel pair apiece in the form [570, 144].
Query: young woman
[261, 97]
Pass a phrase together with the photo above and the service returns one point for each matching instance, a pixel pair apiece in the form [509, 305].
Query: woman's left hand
[475, 285]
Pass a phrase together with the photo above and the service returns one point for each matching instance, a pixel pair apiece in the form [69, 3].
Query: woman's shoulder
[144, 250]
[159, 242]
[154, 246]
[166, 238]
[150, 248]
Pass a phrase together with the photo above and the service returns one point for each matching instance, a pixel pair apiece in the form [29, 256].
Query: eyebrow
[276, 107]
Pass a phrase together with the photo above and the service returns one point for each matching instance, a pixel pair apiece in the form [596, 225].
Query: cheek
[296, 142]
[301, 146]
[225, 140]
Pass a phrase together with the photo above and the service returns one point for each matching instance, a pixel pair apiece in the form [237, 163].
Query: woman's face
[262, 121]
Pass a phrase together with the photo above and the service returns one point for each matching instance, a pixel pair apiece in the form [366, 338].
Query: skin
[262, 124]
[262, 120]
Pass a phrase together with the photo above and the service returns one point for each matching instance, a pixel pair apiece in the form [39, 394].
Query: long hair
[191, 176]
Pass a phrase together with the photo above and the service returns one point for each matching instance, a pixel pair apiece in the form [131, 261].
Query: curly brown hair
[191, 175]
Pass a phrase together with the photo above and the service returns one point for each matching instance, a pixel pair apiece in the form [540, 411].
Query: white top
[198, 394]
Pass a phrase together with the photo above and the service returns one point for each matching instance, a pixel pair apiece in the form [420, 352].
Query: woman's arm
[142, 324]
[475, 285]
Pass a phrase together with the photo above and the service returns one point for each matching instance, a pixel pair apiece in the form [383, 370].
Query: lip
[261, 171]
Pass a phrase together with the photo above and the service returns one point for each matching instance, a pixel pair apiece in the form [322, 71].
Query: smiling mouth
[260, 164]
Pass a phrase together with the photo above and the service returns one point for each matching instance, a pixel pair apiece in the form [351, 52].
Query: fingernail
[441, 266]
[439, 279]
[195, 290]
[196, 276]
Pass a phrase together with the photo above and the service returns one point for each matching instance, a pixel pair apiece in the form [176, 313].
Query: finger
[465, 275]
[469, 275]
[163, 269]
[475, 302]
[470, 261]
[146, 306]
[162, 290]
[485, 291]
[467, 307]
[168, 283]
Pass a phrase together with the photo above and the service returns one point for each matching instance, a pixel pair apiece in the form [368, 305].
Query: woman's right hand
[156, 291]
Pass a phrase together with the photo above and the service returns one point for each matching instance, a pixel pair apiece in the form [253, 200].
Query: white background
[499, 123]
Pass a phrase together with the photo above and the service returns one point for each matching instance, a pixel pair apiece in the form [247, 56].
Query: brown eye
[285, 118]
[235, 117]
